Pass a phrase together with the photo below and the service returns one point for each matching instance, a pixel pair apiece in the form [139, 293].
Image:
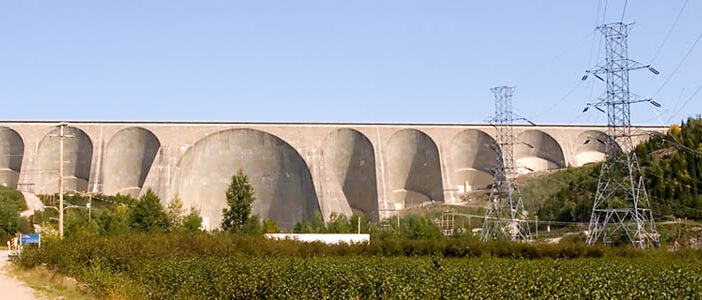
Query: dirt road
[12, 288]
[33, 203]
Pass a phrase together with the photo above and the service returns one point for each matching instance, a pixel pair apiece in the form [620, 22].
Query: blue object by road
[30, 238]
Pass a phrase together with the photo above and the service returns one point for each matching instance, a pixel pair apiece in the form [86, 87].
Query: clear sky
[335, 61]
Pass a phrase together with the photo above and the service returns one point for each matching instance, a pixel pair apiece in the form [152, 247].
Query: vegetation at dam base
[221, 265]
[11, 203]
[672, 171]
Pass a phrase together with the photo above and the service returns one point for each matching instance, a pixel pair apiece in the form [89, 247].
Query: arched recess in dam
[77, 156]
[413, 169]
[350, 160]
[127, 160]
[535, 150]
[11, 154]
[278, 174]
[474, 156]
[590, 147]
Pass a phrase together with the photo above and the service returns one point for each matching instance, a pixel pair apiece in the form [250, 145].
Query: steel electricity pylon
[621, 208]
[505, 217]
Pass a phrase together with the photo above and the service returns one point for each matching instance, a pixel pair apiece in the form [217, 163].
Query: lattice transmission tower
[621, 207]
[505, 217]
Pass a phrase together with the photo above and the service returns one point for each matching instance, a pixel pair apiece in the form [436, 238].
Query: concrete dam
[296, 169]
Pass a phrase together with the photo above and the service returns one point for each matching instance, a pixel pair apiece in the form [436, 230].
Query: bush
[148, 214]
[9, 220]
[114, 221]
[192, 221]
[13, 197]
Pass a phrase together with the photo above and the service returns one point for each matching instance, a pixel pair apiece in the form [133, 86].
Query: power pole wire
[624, 10]
[674, 113]
[665, 40]
[679, 64]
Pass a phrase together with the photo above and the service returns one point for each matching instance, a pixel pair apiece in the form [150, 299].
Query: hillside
[672, 168]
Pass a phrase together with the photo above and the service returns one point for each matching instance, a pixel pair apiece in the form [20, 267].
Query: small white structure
[327, 238]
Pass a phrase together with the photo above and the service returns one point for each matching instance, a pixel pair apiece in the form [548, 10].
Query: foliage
[76, 222]
[11, 203]
[671, 165]
[9, 220]
[14, 197]
[180, 219]
[270, 226]
[192, 221]
[338, 223]
[98, 201]
[420, 278]
[565, 195]
[148, 215]
[673, 169]
[114, 221]
[316, 225]
[202, 265]
[240, 196]
[175, 211]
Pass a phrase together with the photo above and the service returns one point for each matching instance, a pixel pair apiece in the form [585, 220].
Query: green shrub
[9, 220]
[148, 214]
[14, 197]
[192, 221]
[114, 221]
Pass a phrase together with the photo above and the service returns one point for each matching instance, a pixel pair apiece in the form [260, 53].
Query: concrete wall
[297, 169]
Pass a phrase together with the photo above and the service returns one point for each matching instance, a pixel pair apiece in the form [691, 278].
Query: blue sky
[334, 61]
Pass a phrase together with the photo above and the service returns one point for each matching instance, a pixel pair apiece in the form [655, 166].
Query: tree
[240, 197]
[270, 226]
[9, 219]
[176, 212]
[115, 220]
[148, 215]
[192, 221]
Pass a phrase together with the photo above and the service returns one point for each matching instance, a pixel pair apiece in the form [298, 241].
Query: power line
[669, 31]
[689, 51]
[624, 10]
[560, 101]
[686, 102]
[597, 21]
[604, 15]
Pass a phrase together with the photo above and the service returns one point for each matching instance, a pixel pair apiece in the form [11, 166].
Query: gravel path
[33, 202]
[10, 287]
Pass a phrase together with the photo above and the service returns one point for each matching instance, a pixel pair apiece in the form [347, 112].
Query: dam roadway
[296, 169]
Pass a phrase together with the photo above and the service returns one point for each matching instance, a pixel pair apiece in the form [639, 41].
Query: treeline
[672, 168]
[11, 203]
[121, 214]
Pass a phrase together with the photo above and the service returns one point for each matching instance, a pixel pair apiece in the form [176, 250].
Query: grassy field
[223, 266]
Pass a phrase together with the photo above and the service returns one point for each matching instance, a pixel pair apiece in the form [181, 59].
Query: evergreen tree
[148, 214]
[192, 221]
[240, 197]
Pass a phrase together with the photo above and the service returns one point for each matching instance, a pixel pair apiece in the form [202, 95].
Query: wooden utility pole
[60, 179]
[90, 206]
[61, 135]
